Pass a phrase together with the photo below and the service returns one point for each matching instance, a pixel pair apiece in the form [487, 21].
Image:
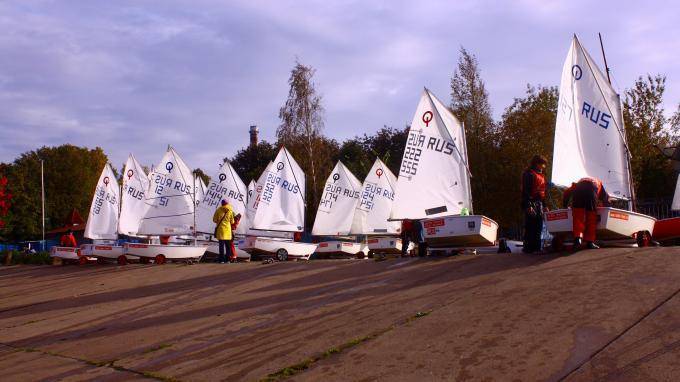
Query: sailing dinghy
[102, 223]
[669, 229]
[280, 207]
[171, 211]
[373, 209]
[335, 213]
[590, 141]
[434, 180]
[227, 185]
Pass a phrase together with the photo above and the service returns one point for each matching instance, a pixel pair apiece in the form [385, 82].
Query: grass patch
[38, 258]
[157, 348]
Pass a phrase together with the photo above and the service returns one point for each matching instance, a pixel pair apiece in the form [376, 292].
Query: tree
[527, 129]
[470, 104]
[71, 174]
[199, 173]
[250, 162]
[302, 120]
[646, 130]
[5, 200]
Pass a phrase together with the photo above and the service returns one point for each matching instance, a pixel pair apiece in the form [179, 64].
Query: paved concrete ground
[611, 314]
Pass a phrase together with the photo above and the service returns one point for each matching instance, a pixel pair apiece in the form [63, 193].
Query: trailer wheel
[282, 254]
[101, 260]
[82, 260]
[160, 259]
[144, 260]
[371, 254]
[360, 255]
[121, 260]
[643, 238]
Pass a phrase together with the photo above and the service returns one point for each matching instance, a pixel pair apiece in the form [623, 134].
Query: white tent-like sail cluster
[102, 223]
[589, 133]
[434, 176]
[375, 203]
[226, 185]
[281, 203]
[170, 198]
[133, 200]
[338, 203]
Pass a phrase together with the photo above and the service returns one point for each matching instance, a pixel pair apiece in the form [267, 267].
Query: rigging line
[347, 174]
[618, 128]
[193, 194]
[447, 131]
[233, 177]
[166, 216]
[294, 177]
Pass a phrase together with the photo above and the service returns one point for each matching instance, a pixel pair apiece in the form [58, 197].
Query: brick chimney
[253, 135]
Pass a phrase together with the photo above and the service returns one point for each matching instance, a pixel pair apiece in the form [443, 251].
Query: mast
[194, 227]
[42, 193]
[631, 190]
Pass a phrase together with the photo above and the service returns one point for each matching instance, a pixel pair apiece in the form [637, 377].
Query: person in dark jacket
[533, 203]
[419, 237]
[587, 193]
[406, 233]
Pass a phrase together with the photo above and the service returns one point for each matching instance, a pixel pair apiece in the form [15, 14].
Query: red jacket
[533, 187]
[601, 194]
[68, 240]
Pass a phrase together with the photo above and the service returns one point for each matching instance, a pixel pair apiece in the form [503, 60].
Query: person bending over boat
[585, 195]
[533, 203]
[68, 240]
[224, 218]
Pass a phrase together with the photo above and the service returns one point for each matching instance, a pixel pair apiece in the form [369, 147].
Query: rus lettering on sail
[595, 116]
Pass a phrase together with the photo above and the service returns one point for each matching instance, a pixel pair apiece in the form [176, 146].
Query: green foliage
[71, 174]
[647, 129]
[38, 258]
[250, 162]
[199, 173]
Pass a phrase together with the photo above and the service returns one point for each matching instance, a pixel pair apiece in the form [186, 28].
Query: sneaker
[592, 245]
[222, 262]
[577, 243]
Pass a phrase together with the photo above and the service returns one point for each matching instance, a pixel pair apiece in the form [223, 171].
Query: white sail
[434, 177]
[133, 200]
[200, 189]
[170, 198]
[338, 202]
[226, 185]
[102, 223]
[589, 131]
[675, 206]
[254, 196]
[281, 204]
[251, 192]
[375, 203]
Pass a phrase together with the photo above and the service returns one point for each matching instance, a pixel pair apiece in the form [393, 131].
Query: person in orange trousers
[233, 257]
[587, 194]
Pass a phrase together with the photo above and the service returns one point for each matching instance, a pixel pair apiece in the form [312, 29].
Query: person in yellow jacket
[224, 218]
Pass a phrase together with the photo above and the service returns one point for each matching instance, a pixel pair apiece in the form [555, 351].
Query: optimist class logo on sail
[420, 141]
[165, 183]
[129, 189]
[274, 181]
[218, 191]
[332, 192]
[373, 191]
[102, 195]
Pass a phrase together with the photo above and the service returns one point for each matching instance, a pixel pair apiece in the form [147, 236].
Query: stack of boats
[433, 186]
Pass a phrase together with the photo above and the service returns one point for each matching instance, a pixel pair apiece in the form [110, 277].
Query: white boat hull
[386, 245]
[613, 223]
[105, 251]
[66, 253]
[169, 251]
[460, 231]
[270, 247]
[338, 248]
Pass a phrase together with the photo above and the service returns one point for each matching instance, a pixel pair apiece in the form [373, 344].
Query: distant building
[253, 135]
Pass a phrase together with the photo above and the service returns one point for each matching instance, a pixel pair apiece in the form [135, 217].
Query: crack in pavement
[107, 364]
[621, 334]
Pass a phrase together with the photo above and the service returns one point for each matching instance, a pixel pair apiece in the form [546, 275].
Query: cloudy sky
[134, 76]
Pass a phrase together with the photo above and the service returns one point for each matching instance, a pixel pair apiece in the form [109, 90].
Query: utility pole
[42, 192]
